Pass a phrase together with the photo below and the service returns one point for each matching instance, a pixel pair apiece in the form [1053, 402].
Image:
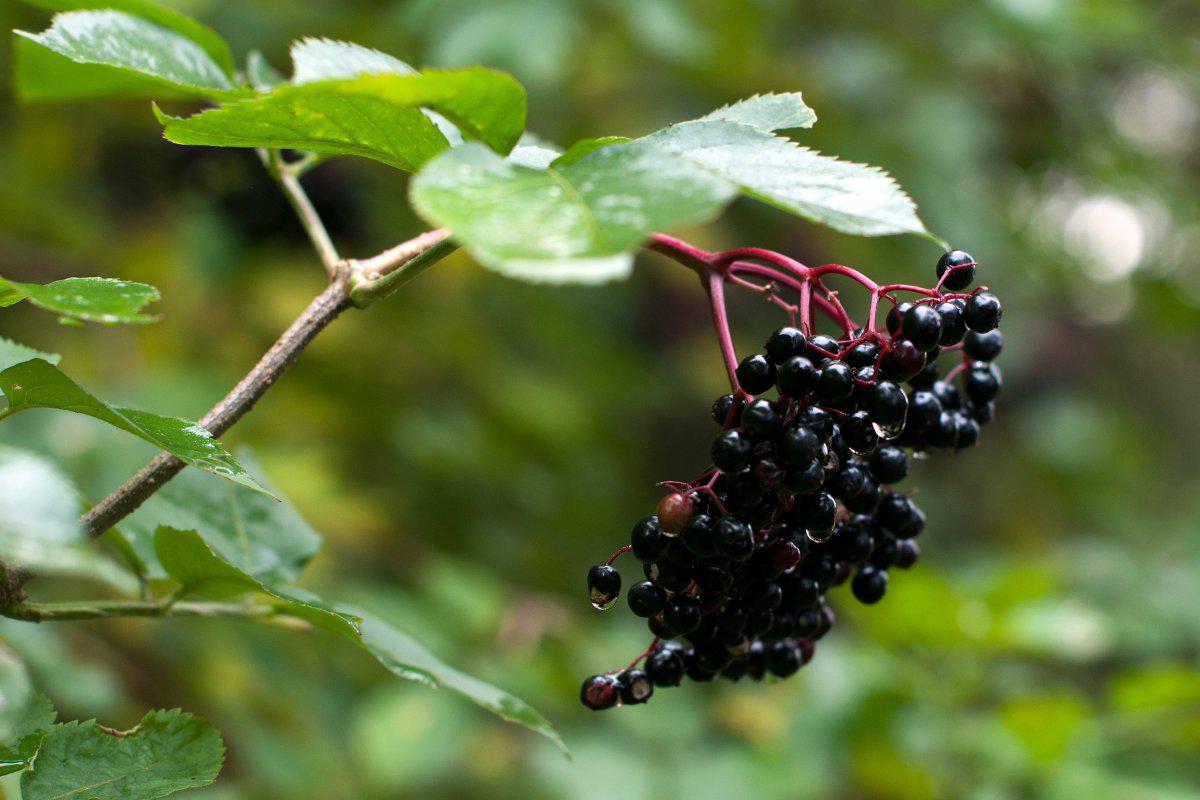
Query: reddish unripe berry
[674, 511]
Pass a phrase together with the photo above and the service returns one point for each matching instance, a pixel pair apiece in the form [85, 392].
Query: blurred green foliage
[469, 447]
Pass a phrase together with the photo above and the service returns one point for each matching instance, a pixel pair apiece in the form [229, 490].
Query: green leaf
[103, 300]
[267, 540]
[575, 224]
[37, 383]
[39, 522]
[585, 146]
[318, 59]
[167, 752]
[372, 116]
[768, 112]
[406, 658]
[201, 571]
[26, 726]
[202, 35]
[137, 54]
[852, 198]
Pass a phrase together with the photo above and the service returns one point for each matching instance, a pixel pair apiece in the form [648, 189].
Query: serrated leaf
[148, 52]
[852, 198]
[261, 74]
[768, 112]
[267, 540]
[408, 659]
[576, 224]
[188, 558]
[104, 300]
[167, 752]
[36, 383]
[319, 59]
[372, 116]
[25, 726]
[39, 522]
[584, 147]
[169, 18]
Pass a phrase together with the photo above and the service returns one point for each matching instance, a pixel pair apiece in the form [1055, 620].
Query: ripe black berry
[922, 326]
[859, 434]
[889, 464]
[682, 614]
[863, 354]
[698, 535]
[907, 553]
[634, 686]
[756, 374]
[720, 411]
[982, 383]
[954, 326]
[761, 420]
[888, 405]
[797, 377]
[835, 381]
[895, 317]
[786, 343]
[599, 692]
[665, 667]
[646, 598]
[924, 408]
[799, 445]
[961, 267]
[648, 540]
[983, 346]
[604, 586]
[983, 312]
[783, 658]
[899, 515]
[734, 538]
[869, 585]
[731, 450]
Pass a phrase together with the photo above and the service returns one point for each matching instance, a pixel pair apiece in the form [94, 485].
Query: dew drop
[820, 537]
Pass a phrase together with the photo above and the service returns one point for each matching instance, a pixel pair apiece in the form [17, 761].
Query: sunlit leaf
[167, 752]
[852, 198]
[36, 383]
[123, 44]
[202, 35]
[315, 59]
[372, 116]
[577, 224]
[103, 300]
[768, 112]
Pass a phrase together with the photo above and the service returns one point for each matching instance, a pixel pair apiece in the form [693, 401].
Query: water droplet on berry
[820, 537]
[888, 431]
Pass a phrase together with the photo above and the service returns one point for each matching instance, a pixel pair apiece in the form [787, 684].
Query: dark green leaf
[137, 55]
[167, 752]
[189, 559]
[577, 224]
[37, 383]
[267, 540]
[372, 116]
[202, 35]
[852, 198]
[103, 300]
[201, 571]
[26, 726]
[407, 659]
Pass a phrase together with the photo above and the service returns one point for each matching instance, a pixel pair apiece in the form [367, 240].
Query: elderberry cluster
[801, 497]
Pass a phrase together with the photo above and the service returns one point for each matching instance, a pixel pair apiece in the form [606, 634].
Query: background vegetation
[469, 447]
